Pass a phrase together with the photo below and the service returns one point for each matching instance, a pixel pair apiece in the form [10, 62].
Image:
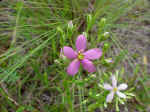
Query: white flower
[114, 89]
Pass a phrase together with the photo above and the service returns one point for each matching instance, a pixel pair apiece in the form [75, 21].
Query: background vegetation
[33, 77]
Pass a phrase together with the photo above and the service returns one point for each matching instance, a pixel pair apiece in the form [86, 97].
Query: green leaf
[3, 109]
[20, 109]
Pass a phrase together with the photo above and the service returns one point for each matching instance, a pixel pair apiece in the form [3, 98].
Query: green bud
[89, 22]
[109, 60]
[97, 95]
[106, 45]
[59, 30]
[89, 18]
[103, 22]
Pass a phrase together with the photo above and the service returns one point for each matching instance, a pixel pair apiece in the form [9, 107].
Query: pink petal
[107, 86]
[122, 86]
[88, 65]
[73, 67]
[69, 52]
[114, 81]
[121, 94]
[110, 96]
[81, 43]
[93, 53]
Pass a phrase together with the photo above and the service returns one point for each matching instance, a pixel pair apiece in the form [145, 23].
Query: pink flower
[114, 89]
[80, 56]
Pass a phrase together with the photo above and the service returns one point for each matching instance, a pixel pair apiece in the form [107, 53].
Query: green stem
[80, 93]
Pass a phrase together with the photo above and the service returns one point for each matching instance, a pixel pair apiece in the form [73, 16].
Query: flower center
[115, 89]
[80, 56]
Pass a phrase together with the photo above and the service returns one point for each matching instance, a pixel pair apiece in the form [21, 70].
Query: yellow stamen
[80, 56]
[115, 89]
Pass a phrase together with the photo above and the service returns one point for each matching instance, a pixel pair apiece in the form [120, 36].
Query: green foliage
[33, 33]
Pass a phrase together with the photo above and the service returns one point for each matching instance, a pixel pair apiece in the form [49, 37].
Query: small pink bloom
[80, 56]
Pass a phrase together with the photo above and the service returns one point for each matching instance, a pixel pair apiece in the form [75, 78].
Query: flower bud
[89, 18]
[106, 34]
[70, 25]
[62, 54]
[106, 46]
[57, 61]
[109, 60]
[85, 34]
[102, 22]
[97, 95]
[93, 75]
[59, 30]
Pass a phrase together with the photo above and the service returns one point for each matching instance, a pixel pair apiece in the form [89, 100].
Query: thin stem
[80, 93]
[17, 21]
